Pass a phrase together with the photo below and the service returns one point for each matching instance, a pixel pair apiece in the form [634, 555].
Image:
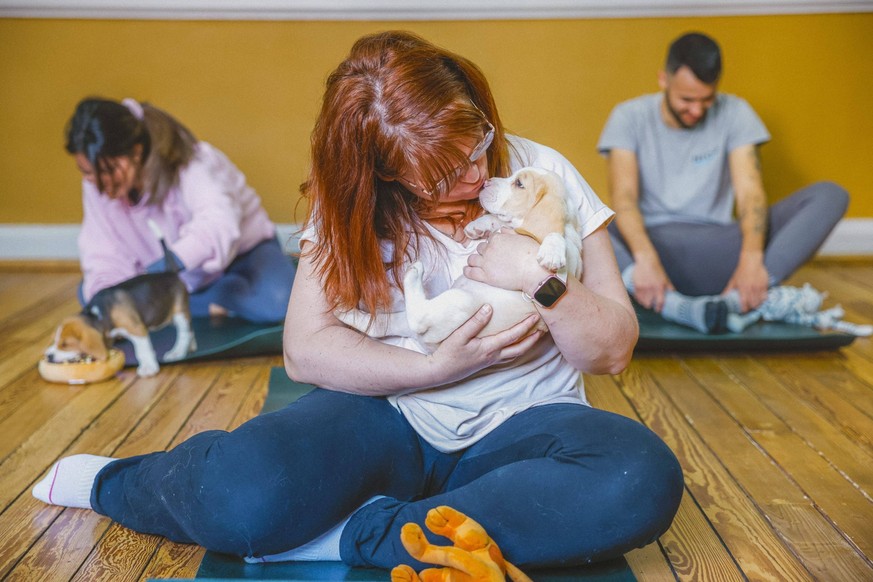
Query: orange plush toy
[474, 557]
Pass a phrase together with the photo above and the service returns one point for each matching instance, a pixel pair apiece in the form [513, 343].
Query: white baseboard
[28, 242]
[406, 10]
[851, 237]
[58, 242]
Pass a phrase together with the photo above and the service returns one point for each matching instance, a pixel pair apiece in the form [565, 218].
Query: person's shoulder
[730, 103]
[640, 104]
[526, 152]
[736, 116]
[628, 121]
[632, 114]
[205, 151]
[208, 158]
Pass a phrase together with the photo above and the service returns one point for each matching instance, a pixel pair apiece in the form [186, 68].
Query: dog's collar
[521, 230]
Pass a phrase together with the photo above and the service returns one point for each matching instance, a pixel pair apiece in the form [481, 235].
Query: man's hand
[651, 283]
[750, 279]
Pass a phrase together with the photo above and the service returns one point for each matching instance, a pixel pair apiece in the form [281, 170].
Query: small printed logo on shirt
[703, 158]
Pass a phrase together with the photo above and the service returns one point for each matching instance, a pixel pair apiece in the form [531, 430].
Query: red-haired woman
[497, 427]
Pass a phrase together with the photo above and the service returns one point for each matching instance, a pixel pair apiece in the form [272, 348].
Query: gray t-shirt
[684, 173]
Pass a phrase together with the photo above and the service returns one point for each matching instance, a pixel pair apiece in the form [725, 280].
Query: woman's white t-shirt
[454, 416]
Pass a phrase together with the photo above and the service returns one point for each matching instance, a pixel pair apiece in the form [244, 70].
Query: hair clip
[134, 107]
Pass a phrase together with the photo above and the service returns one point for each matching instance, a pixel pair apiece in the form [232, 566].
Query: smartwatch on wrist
[548, 292]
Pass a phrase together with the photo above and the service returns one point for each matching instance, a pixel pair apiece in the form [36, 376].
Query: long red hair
[396, 106]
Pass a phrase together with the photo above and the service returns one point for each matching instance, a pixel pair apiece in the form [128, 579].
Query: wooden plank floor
[777, 448]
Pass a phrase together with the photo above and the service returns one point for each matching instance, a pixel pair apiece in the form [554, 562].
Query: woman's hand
[320, 350]
[506, 259]
[463, 353]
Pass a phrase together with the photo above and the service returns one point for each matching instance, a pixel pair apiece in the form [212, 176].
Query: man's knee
[836, 195]
[828, 197]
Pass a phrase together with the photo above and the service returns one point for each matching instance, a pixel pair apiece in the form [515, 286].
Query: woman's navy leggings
[559, 484]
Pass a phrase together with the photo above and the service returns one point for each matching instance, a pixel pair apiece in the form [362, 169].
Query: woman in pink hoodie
[139, 164]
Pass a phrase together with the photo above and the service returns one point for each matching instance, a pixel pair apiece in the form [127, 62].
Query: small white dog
[533, 202]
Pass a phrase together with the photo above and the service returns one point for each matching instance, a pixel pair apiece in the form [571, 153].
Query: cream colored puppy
[532, 201]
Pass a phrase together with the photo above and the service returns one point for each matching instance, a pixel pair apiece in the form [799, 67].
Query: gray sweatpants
[700, 258]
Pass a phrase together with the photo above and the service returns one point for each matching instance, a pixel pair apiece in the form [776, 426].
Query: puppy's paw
[552, 254]
[147, 369]
[482, 226]
[184, 346]
[413, 275]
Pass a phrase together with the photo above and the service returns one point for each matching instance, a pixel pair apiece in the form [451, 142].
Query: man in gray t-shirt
[684, 162]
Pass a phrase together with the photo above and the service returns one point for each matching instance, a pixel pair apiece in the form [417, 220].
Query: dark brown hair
[102, 129]
[698, 52]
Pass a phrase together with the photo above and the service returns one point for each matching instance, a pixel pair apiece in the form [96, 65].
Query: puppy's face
[74, 338]
[510, 199]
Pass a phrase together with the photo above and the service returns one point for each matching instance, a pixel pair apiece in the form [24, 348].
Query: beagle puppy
[128, 310]
[533, 202]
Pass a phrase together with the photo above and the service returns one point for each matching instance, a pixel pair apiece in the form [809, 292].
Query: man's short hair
[699, 53]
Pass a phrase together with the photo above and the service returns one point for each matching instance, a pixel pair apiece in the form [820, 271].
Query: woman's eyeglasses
[449, 180]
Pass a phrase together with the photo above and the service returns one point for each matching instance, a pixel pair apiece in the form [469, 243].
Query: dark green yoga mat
[657, 334]
[219, 567]
[216, 337]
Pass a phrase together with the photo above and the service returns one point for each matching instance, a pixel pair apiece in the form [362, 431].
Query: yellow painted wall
[253, 89]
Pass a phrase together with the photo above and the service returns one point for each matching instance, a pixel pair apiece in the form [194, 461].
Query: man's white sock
[627, 277]
[732, 299]
[706, 314]
[324, 548]
[70, 480]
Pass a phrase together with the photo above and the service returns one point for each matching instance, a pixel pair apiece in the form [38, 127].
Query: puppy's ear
[548, 213]
[68, 337]
[93, 344]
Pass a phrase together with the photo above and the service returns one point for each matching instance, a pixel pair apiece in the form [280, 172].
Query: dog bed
[658, 334]
[281, 392]
[216, 337]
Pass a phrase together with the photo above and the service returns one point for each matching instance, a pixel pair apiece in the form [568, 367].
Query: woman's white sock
[324, 548]
[70, 480]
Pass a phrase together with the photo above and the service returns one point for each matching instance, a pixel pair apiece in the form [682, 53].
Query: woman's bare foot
[216, 310]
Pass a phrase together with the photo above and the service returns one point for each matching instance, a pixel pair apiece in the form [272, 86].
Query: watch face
[550, 291]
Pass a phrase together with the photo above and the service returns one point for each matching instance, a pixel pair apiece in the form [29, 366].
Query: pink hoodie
[208, 219]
